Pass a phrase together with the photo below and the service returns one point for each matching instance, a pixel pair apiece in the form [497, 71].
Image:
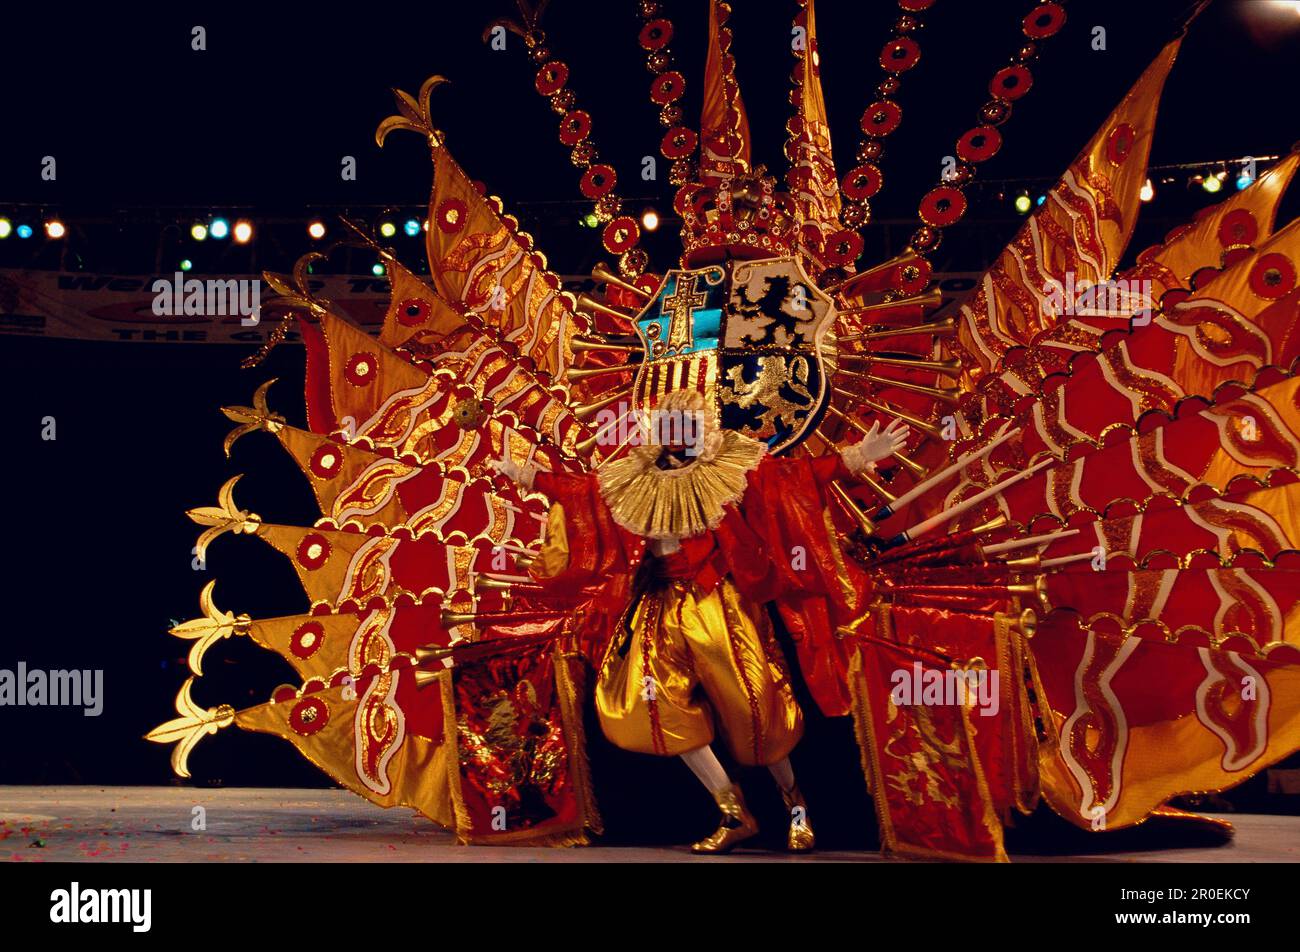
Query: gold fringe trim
[575, 737]
[990, 817]
[678, 503]
[451, 735]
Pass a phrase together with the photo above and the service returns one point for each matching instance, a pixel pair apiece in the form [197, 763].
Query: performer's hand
[876, 445]
[507, 467]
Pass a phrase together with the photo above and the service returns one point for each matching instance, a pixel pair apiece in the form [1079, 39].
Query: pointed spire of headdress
[724, 127]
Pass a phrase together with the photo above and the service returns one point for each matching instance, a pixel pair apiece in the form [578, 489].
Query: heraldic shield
[749, 336]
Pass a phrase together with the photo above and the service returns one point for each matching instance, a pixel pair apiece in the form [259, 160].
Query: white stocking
[704, 764]
[783, 774]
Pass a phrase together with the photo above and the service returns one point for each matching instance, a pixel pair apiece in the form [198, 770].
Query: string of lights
[1212, 176]
[24, 222]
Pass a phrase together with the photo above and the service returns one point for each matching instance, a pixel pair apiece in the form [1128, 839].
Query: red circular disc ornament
[1120, 143]
[995, 112]
[309, 715]
[881, 118]
[307, 639]
[632, 263]
[684, 200]
[412, 311]
[656, 34]
[648, 283]
[451, 215]
[551, 78]
[1011, 83]
[575, 127]
[912, 276]
[678, 142]
[597, 181]
[667, 87]
[979, 144]
[1238, 227]
[621, 234]
[360, 369]
[326, 462]
[925, 239]
[313, 551]
[900, 54]
[1273, 276]
[862, 181]
[915, 6]
[1044, 20]
[942, 206]
[842, 247]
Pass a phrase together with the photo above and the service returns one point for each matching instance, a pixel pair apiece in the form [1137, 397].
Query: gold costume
[692, 658]
[694, 665]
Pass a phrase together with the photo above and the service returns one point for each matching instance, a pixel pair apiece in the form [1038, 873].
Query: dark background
[147, 131]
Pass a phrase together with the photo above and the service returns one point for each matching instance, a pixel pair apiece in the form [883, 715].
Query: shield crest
[749, 336]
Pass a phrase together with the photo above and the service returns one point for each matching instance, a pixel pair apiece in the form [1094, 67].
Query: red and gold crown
[742, 217]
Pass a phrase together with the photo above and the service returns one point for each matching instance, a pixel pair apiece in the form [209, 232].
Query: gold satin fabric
[694, 665]
[553, 555]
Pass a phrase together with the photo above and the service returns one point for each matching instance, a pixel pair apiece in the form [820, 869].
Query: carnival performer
[697, 531]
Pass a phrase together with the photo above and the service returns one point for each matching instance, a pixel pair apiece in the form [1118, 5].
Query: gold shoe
[800, 838]
[738, 824]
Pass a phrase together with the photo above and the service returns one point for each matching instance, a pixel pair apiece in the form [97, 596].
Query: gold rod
[948, 368]
[588, 303]
[945, 394]
[602, 273]
[589, 410]
[845, 418]
[586, 446]
[927, 300]
[938, 328]
[861, 275]
[864, 476]
[928, 428]
[614, 452]
[577, 374]
[1024, 563]
[584, 345]
[997, 522]
[850, 505]
[911, 465]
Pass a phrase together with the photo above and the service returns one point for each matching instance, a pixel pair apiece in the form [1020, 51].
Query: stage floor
[155, 824]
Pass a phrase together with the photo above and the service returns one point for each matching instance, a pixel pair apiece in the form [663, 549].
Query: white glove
[519, 474]
[876, 445]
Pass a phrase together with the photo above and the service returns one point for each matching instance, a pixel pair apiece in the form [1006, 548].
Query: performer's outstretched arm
[577, 513]
[862, 456]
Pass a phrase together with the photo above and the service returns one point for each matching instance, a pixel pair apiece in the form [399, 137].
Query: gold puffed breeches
[694, 665]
